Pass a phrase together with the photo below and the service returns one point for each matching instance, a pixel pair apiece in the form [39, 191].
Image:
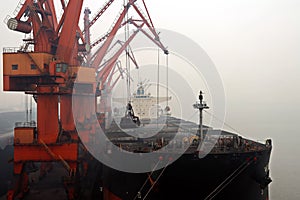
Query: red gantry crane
[96, 60]
[49, 71]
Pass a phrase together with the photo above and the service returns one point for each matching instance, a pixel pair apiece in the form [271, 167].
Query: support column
[47, 118]
[66, 114]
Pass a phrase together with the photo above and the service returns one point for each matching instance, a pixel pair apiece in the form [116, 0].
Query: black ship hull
[216, 176]
[227, 172]
[222, 176]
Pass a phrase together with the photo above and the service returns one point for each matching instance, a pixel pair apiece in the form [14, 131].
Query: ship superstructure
[146, 106]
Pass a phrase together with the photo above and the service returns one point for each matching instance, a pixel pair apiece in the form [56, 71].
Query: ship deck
[176, 134]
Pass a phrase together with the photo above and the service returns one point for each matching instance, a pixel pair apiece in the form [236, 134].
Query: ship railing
[11, 49]
[17, 49]
[235, 144]
[225, 144]
[25, 124]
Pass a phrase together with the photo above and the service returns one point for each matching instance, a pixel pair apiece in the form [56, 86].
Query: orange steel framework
[48, 73]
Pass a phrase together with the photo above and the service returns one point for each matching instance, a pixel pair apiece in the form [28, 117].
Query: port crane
[48, 72]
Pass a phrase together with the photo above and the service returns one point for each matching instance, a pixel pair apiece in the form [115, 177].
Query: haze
[255, 46]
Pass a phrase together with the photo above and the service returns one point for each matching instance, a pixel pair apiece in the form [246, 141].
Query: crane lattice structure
[49, 70]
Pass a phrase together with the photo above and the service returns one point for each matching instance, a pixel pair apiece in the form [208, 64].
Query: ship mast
[200, 105]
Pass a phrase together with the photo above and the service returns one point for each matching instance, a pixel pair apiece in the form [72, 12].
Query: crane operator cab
[130, 120]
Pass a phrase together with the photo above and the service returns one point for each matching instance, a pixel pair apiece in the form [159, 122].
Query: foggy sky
[255, 45]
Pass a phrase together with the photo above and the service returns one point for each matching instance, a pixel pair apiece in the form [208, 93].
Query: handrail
[16, 50]
[25, 124]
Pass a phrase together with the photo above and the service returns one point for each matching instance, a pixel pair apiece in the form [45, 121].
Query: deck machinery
[46, 67]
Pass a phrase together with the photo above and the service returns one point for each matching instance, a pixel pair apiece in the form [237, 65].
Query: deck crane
[49, 72]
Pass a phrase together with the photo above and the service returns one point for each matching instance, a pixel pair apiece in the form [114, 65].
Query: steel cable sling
[157, 179]
[229, 179]
[152, 185]
[154, 168]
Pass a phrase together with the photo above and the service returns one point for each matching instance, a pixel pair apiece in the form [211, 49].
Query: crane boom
[103, 74]
[66, 49]
[99, 57]
[100, 13]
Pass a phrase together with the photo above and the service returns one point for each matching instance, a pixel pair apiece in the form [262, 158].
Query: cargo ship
[235, 168]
